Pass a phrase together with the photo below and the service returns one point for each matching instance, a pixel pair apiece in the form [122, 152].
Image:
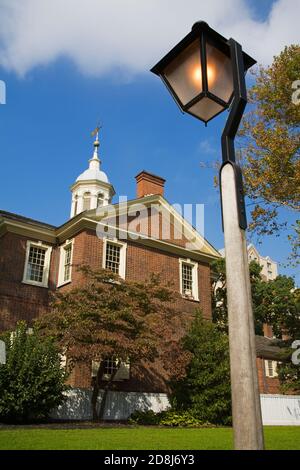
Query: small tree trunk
[96, 389]
[105, 394]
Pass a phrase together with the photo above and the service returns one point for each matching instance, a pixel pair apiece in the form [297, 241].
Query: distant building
[269, 267]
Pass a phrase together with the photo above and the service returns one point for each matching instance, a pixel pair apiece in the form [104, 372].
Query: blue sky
[53, 105]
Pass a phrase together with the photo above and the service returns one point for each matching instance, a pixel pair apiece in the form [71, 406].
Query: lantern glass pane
[184, 73]
[219, 73]
[205, 109]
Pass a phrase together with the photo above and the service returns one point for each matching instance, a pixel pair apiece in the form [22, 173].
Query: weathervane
[96, 132]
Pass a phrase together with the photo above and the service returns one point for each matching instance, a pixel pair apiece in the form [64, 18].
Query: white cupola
[92, 188]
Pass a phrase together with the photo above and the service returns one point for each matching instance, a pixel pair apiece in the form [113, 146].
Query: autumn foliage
[110, 317]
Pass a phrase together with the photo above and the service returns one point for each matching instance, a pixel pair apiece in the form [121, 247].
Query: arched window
[86, 201]
[100, 200]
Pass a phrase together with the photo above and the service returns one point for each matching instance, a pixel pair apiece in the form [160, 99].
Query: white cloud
[207, 147]
[130, 35]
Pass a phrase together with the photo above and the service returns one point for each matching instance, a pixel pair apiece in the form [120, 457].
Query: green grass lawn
[277, 438]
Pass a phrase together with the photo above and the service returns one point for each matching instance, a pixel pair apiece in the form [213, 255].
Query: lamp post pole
[205, 74]
[246, 409]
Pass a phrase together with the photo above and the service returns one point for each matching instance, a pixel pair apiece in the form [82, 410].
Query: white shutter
[123, 372]
[95, 368]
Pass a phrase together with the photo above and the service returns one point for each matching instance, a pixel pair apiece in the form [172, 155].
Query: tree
[289, 373]
[275, 302]
[219, 295]
[32, 381]
[270, 147]
[109, 317]
[205, 391]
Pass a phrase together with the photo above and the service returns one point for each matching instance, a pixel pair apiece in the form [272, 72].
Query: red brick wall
[20, 301]
[140, 263]
[149, 184]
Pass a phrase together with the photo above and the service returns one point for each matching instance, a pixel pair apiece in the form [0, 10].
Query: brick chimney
[147, 184]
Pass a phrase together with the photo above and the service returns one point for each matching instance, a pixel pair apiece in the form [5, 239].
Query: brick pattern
[20, 301]
[149, 184]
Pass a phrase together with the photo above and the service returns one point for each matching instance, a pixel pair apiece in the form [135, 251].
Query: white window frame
[274, 366]
[195, 287]
[123, 250]
[62, 255]
[46, 270]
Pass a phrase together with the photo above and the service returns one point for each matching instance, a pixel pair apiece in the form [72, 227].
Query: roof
[21, 218]
[272, 349]
[196, 247]
[93, 174]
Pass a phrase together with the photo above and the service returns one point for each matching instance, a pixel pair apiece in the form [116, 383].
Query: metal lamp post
[205, 74]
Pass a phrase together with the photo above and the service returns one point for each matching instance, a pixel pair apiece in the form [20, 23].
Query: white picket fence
[277, 410]
[280, 410]
[119, 405]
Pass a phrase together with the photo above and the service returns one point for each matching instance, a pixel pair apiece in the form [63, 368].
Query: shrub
[170, 418]
[205, 391]
[32, 381]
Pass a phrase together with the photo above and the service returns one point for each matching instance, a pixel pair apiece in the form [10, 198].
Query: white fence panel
[119, 405]
[280, 410]
[277, 410]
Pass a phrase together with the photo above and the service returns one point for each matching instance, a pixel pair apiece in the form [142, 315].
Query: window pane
[219, 73]
[110, 366]
[205, 109]
[36, 263]
[67, 262]
[184, 73]
[187, 279]
[113, 257]
[270, 368]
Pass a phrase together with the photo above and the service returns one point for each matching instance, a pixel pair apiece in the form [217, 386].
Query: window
[189, 279]
[112, 365]
[114, 257]
[100, 199]
[36, 269]
[65, 264]
[86, 201]
[271, 369]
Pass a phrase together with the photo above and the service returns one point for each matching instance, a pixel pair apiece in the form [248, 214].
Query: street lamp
[205, 74]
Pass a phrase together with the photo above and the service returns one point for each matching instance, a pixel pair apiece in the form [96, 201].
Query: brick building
[37, 258]
[133, 238]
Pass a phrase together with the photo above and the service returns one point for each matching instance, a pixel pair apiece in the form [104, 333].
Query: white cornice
[90, 219]
[27, 230]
